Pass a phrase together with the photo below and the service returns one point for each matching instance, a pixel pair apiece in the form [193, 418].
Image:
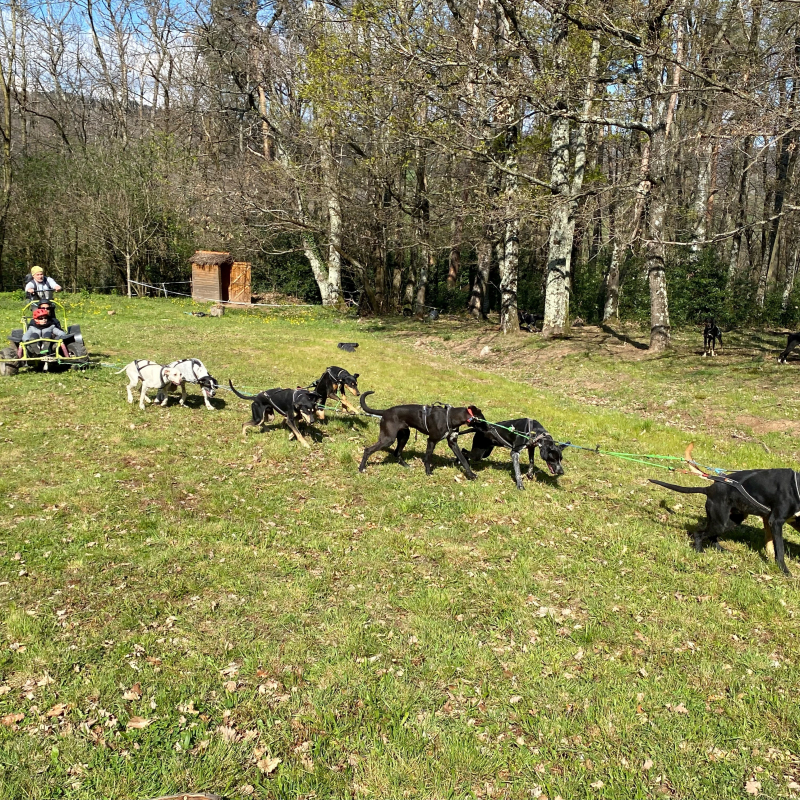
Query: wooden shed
[216, 276]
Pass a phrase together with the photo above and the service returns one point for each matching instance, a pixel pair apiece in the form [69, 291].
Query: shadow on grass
[622, 337]
[751, 536]
[540, 475]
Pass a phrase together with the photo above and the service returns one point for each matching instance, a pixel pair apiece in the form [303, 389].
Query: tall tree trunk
[660, 117]
[334, 270]
[556, 302]
[743, 161]
[791, 274]
[6, 86]
[559, 250]
[784, 168]
[509, 266]
[611, 307]
[479, 296]
[454, 260]
[422, 251]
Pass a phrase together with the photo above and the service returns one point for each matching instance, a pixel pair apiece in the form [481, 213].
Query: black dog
[437, 421]
[772, 494]
[295, 405]
[711, 333]
[333, 383]
[527, 322]
[527, 433]
[792, 342]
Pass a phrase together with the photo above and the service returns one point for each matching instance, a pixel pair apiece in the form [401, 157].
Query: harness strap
[136, 363]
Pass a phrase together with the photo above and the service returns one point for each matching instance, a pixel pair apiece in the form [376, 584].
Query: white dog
[193, 371]
[152, 376]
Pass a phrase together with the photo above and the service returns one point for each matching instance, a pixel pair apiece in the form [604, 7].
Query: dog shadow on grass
[352, 420]
[539, 475]
[751, 535]
[195, 401]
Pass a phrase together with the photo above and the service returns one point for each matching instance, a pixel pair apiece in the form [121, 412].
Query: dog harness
[426, 410]
[285, 413]
[338, 382]
[526, 435]
[147, 362]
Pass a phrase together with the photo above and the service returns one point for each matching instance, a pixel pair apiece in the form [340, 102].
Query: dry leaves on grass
[228, 733]
[268, 765]
[678, 709]
[753, 787]
[134, 693]
[138, 722]
[10, 720]
[57, 710]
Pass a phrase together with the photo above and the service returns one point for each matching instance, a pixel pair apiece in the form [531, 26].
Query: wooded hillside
[595, 159]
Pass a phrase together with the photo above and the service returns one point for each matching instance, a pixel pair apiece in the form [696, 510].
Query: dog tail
[122, 370]
[239, 394]
[682, 489]
[366, 408]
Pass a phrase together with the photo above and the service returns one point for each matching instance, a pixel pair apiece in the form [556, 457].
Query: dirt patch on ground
[760, 425]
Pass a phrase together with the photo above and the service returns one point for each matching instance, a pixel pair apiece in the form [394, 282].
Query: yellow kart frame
[10, 361]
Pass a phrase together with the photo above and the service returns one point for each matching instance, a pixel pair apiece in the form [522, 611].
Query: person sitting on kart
[40, 287]
[44, 326]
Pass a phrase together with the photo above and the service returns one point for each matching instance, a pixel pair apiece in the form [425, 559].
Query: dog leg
[292, 425]
[403, 436]
[166, 397]
[208, 402]
[385, 440]
[130, 393]
[517, 473]
[453, 442]
[182, 401]
[143, 398]
[428, 453]
[346, 404]
[777, 533]
[531, 453]
[769, 539]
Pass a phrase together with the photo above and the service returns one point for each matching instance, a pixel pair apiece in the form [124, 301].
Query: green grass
[387, 635]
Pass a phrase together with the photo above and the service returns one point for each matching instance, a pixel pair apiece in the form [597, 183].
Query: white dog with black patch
[193, 371]
[152, 376]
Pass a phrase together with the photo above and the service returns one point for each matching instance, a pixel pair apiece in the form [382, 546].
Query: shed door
[240, 283]
[205, 282]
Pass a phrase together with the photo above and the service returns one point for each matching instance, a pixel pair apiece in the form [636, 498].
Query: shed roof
[209, 258]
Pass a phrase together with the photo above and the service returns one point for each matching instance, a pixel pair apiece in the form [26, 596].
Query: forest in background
[630, 159]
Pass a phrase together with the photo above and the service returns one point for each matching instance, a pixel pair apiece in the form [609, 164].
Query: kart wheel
[78, 351]
[7, 365]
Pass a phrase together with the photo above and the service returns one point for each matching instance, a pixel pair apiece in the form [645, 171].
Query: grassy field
[186, 610]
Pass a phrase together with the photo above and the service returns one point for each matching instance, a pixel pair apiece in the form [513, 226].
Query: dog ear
[476, 412]
[563, 446]
[355, 377]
